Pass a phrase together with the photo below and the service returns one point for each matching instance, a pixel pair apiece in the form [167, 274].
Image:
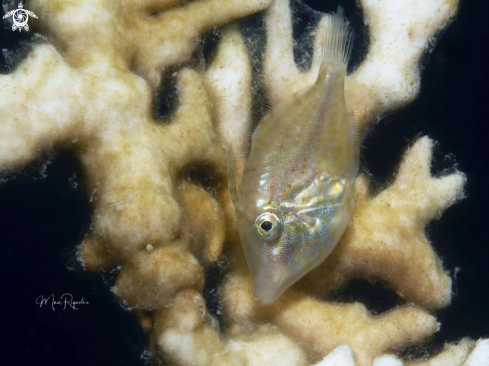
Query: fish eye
[268, 225]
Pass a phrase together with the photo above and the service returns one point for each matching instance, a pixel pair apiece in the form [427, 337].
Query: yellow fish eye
[268, 225]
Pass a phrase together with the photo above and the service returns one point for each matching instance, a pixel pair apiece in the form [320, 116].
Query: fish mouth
[267, 294]
[271, 275]
[272, 271]
[267, 288]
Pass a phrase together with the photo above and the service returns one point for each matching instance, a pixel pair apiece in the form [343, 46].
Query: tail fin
[336, 38]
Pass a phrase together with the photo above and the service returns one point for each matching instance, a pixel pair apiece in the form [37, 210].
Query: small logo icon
[20, 17]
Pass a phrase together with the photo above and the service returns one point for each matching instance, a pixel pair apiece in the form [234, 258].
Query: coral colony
[88, 85]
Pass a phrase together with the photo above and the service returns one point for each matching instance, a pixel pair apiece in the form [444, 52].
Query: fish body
[297, 189]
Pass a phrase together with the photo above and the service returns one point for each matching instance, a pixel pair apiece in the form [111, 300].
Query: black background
[45, 212]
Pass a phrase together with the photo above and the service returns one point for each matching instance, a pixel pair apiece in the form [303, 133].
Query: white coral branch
[400, 33]
[228, 81]
[385, 239]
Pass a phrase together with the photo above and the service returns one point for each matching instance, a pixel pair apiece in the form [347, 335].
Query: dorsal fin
[234, 187]
[282, 97]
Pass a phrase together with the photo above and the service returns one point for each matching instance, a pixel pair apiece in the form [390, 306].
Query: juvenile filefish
[297, 190]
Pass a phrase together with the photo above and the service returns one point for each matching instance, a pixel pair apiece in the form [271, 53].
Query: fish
[296, 194]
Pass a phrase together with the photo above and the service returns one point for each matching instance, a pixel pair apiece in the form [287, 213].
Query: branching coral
[161, 207]
[387, 231]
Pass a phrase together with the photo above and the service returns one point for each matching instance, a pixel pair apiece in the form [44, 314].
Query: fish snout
[269, 285]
